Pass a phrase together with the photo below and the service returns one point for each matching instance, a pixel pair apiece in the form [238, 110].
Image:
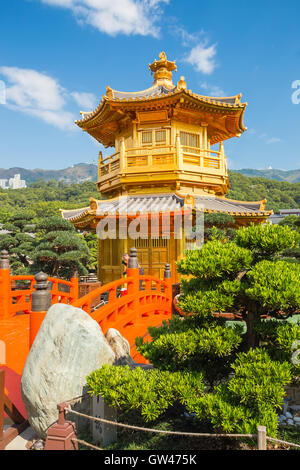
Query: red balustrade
[147, 303]
[147, 300]
[16, 292]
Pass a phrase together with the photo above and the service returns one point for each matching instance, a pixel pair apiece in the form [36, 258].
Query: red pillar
[74, 291]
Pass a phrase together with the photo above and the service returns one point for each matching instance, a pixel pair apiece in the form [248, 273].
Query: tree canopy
[238, 369]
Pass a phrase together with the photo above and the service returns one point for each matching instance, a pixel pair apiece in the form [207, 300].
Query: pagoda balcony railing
[161, 157]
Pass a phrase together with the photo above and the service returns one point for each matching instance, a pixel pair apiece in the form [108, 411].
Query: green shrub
[150, 392]
[250, 398]
[243, 373]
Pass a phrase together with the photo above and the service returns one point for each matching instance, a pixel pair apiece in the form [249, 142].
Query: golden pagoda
[162, 163]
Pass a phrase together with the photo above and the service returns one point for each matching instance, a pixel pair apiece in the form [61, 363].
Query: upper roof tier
[222, 115]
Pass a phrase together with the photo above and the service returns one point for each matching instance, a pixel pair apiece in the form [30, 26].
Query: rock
[282, 419]
[290, 422]
[288, 415]
[295, 407]
[297, 420]
[120, 347]
[68, 347]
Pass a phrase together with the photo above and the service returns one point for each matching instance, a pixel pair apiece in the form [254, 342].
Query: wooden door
[159, 256]
[153, 253]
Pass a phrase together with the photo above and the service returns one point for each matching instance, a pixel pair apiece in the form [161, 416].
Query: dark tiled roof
[227, 205]
[144, 204]
[141, 204]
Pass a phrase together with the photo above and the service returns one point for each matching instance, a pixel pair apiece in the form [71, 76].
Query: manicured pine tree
[59, 250]
[218, 226]
[240, 367]
[19, 240]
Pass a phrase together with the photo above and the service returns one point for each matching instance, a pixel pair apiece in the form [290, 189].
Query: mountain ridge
[81, 172]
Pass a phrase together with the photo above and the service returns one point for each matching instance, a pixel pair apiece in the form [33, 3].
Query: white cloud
[212, 90]
[86, 100]
[39, 95]
[273, 140]
[186, 37]
[116, 16]
[202, 57]
[269, 140]
[32, 89]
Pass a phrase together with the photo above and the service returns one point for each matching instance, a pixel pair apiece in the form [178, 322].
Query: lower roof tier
[133, 206]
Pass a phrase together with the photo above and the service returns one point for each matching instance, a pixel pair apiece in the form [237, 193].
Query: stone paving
[23, 441]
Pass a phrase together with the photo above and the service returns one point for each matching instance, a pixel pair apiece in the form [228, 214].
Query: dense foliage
[59, 251]
[46, 198]
[18, 240]
[279, 194]
[36, 236]
[218, 226]
[243, 364]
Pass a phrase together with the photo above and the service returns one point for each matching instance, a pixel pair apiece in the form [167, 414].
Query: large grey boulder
[68, 347]
[120, 347]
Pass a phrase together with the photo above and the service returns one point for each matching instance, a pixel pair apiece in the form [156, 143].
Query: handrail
[132, 313]
[152, 147]
[15, 298]
[147, 302]
[161, 155]
[60, 281]
[108, 158]
[88, 298]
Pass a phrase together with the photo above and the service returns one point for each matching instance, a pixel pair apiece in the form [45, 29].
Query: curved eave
[260, 214]
[79, 214]
[211, 102]
[261, 203]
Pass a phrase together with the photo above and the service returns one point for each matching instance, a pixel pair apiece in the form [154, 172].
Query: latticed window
[189, 140]
[160, 136]
[147, 137]
[155, 136]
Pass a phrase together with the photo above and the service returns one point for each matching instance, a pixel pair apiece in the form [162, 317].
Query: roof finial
[162, 71]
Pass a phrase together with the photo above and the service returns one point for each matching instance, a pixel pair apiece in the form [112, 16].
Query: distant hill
[74, 174]
[291, 176]
[87, 171]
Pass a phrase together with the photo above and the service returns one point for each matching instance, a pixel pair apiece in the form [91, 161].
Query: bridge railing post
[41, 301]
[74, 291]
[5, 285]
[133, 287]
[168, 286]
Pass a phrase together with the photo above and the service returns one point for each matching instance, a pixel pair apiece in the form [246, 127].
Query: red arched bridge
[145, 300]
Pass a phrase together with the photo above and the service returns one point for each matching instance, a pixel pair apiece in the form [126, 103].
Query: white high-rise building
[3, 184]
[13, 183]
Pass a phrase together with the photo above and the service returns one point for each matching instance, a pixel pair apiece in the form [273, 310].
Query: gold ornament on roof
[162, 70]
[109, 93]
[181, 84]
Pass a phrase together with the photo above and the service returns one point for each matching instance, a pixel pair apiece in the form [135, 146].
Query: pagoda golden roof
[117, 109]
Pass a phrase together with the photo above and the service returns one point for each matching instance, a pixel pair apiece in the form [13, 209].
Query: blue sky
[58, 56]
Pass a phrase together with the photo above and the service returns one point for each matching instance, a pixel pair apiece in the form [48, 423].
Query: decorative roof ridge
[262, 201]
[74, 210]
[219, 100]
[152, 87]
